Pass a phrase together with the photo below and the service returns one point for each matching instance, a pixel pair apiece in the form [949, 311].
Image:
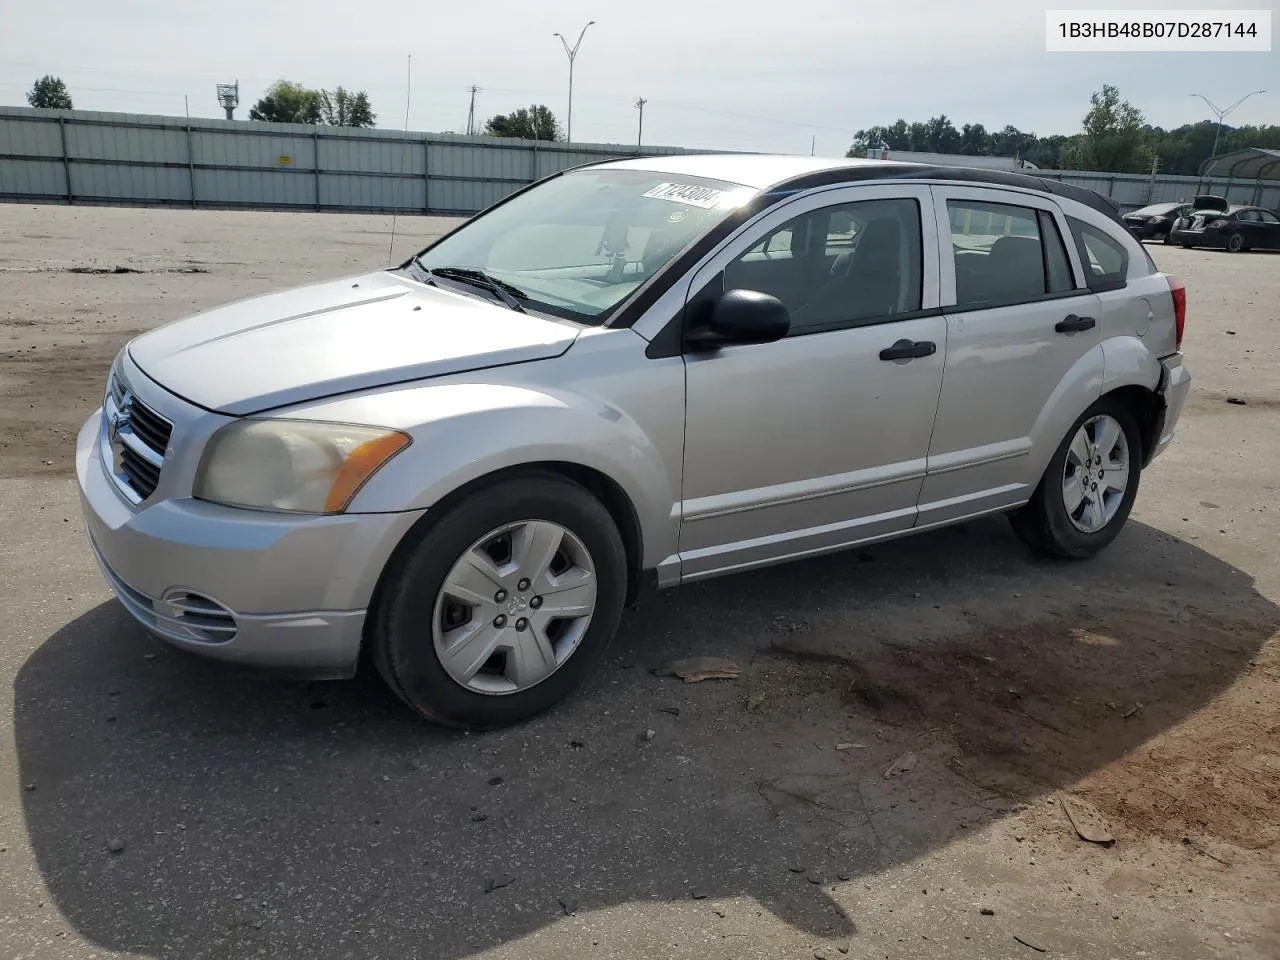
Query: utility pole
[640, 102]
[1151, 185]
[1221, 114]
[571, 53]
[813, 144]
[471, 113]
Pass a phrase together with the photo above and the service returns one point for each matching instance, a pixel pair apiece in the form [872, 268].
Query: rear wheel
[504, 605]
[1235, 243]
[1088, 489]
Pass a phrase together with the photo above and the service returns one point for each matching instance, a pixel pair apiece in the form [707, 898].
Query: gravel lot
[155, 806]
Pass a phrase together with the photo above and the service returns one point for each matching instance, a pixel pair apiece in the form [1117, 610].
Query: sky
[749, 75]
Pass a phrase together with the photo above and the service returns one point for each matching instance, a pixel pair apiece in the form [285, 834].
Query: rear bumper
[1147, 231]
[1175, 384]
[1200, 238]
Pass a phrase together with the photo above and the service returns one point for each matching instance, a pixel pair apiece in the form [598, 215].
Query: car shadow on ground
[179, 811]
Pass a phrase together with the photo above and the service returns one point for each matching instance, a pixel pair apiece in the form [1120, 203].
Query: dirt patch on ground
[1103, 702]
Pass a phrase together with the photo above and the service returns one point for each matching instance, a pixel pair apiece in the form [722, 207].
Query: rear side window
[1106, 262]
[1005, 254]
[1265, 217]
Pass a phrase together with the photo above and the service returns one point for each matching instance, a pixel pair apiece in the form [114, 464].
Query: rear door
[1023, 343]
[1262, 229]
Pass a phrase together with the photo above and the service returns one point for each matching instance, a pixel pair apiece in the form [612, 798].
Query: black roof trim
[921, 171]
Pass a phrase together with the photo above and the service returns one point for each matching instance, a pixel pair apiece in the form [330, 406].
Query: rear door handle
[1073, 324]
[909, 350]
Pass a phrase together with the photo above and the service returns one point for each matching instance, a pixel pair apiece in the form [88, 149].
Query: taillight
[1179, 292]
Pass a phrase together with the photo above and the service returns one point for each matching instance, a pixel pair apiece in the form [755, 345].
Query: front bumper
[1175, 384]
[256, 588]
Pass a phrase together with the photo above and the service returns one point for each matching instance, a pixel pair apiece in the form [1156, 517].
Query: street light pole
[571, 53]
[1221, 114]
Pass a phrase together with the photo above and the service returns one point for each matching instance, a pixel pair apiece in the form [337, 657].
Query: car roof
[765, 171]
[748, 169]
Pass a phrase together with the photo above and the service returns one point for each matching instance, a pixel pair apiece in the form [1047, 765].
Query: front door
[1023, 347]
[818, 440]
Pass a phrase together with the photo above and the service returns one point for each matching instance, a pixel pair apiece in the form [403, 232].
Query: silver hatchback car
[629, 375]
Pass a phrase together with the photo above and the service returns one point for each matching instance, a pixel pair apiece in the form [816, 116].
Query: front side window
[578, 245]
[1005, 254]
[847, 265]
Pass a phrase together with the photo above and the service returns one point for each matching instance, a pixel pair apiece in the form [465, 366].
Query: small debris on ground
[1136, 708]
[987, 912]
[674, 711]
[697, 669]
[494, 781]
[115, 845]
[795, 868]
[815, 879]
[850, 746]
[1237, 402]
[569, 907]
[498, 882]
[576, 744]
[755, 701]
[904, 764]
[718, 912]
[1087, 821]
[1027, 943]
[650, 734]
[1231, 333]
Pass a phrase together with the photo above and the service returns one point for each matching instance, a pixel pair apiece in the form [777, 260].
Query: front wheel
[1088, 489]
[503, 605]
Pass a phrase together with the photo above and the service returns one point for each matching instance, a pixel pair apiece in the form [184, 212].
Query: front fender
[466, 431]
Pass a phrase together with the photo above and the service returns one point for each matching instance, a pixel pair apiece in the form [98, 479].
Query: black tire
[1168, 237]
[401, 639]
[1235, 243]
[1043, 523]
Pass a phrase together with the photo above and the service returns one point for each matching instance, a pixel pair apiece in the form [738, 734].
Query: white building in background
[949, 159]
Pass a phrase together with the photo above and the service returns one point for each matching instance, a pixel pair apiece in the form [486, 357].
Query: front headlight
[298, 466]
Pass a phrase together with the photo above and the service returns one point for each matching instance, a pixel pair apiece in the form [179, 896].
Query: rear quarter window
[1105, 259]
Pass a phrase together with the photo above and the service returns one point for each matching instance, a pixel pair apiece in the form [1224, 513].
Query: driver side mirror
[741, 317]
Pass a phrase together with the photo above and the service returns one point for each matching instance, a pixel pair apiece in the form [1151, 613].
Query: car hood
[337, 337]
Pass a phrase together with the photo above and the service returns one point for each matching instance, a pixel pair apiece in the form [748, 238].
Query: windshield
[578, 245]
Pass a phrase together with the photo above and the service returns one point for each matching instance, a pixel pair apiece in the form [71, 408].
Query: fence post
[66, 159]
[533, 156]
[191, 166]
[1111, 187]
[315, 161]
[426, 175]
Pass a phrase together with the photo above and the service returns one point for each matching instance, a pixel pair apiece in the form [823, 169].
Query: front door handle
[909, 350]
[1073, 324]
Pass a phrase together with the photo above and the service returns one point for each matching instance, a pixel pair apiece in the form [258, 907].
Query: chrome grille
[134, 440]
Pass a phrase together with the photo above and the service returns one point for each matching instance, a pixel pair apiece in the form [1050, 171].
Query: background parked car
[1228, 227]
[1156, 221]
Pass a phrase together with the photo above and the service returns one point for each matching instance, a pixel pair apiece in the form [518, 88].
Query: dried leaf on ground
[696, 669]
[904, 764]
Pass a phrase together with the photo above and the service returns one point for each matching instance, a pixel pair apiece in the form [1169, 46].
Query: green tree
[974, 141]
[342, 108]
[1114, 138]
[533, 123]
[288, 102]
[49, 92]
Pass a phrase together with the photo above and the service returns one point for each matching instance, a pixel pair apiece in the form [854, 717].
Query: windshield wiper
[508, 294]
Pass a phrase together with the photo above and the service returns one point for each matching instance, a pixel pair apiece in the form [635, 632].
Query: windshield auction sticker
[703, 197]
